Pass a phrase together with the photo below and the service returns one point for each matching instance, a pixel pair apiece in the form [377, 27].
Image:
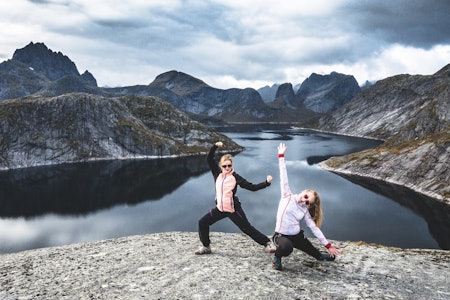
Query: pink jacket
[226, 185]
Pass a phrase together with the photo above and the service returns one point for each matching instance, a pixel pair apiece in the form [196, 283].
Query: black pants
[238, 217]
[287, 243]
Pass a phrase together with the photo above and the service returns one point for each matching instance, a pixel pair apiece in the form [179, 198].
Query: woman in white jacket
[291, 209]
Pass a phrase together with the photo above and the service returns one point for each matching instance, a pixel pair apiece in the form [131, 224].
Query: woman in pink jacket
[291, 209]
[228, 204]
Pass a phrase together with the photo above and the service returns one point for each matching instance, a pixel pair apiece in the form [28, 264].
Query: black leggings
[238, 217]
[287, 243]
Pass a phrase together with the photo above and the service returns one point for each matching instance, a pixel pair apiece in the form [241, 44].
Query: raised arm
[284, 184]
[210, 158]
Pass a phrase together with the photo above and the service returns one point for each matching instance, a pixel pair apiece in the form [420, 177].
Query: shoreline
[413, 188]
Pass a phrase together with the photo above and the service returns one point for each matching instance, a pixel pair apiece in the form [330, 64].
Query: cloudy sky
[234, 43]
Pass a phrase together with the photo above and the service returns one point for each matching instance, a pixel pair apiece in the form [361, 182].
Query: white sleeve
[315, 230]
[284, 184]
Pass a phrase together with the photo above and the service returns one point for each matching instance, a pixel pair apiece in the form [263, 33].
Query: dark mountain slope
[412, 113]
[82, 127]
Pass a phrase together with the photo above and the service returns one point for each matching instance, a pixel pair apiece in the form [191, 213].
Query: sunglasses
[227, 166]
[306, 197]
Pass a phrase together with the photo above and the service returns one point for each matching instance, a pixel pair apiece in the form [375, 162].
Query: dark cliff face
[18, 80]
[42, 60]
[324, 93]
[285, 92]
[194, 96]
[37, 69]
[289, 106]
[82, 127]
[404, 106]
[412, 114]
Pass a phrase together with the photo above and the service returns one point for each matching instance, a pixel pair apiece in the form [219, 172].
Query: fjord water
[57, 205]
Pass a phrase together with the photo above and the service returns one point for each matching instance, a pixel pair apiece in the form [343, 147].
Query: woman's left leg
[302, 243]
[206, 221]
[240, 219]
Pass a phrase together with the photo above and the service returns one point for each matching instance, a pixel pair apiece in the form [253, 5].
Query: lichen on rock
[163, 266]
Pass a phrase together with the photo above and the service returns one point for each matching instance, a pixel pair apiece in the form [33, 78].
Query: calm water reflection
[49, 206]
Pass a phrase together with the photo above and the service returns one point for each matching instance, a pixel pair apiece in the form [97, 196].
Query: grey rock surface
[82, 127]
[411, 112]
[325, 93]
[163, 266]
[421, 165]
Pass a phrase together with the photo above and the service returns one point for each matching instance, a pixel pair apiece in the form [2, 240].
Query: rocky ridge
[46, 73]
[410, 112]
[83, 127]
[268, 93]
[193, 96]
[162, 266]
[325, 93]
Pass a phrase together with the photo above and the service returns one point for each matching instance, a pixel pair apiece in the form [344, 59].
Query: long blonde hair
[315, 210]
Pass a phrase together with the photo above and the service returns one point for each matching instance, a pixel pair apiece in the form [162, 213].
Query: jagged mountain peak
[318, 80]
[54, 65]
[268, 93]
[324, 93]
[285, 89]
[284, 97]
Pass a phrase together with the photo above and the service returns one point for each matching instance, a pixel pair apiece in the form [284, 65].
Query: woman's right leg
[284, 245]
[284, 248]
[207, 220]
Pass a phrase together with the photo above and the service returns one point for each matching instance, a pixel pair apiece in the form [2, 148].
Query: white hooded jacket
[290, 211]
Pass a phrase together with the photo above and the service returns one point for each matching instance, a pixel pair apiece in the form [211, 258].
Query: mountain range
[409, 112]
[37, 70]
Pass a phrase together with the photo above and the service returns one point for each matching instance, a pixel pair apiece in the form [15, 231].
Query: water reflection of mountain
[87, 187]
[436, 214]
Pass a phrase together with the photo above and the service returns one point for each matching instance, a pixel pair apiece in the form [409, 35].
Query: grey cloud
[160, 29]
[45, 2]
[417, 23]
[186, 38]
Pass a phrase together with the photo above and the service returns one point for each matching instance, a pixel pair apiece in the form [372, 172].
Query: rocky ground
[162, 266]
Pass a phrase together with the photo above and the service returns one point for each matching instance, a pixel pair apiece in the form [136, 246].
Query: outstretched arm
[320, 236]
[243, 183]
[284, 184]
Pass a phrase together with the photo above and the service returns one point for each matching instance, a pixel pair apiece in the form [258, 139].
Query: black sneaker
[327, 257]
[276, 263]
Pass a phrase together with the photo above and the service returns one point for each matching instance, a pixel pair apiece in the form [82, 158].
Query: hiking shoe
[203, 250]
[327, 257]
[270, 247]
[276, 263]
